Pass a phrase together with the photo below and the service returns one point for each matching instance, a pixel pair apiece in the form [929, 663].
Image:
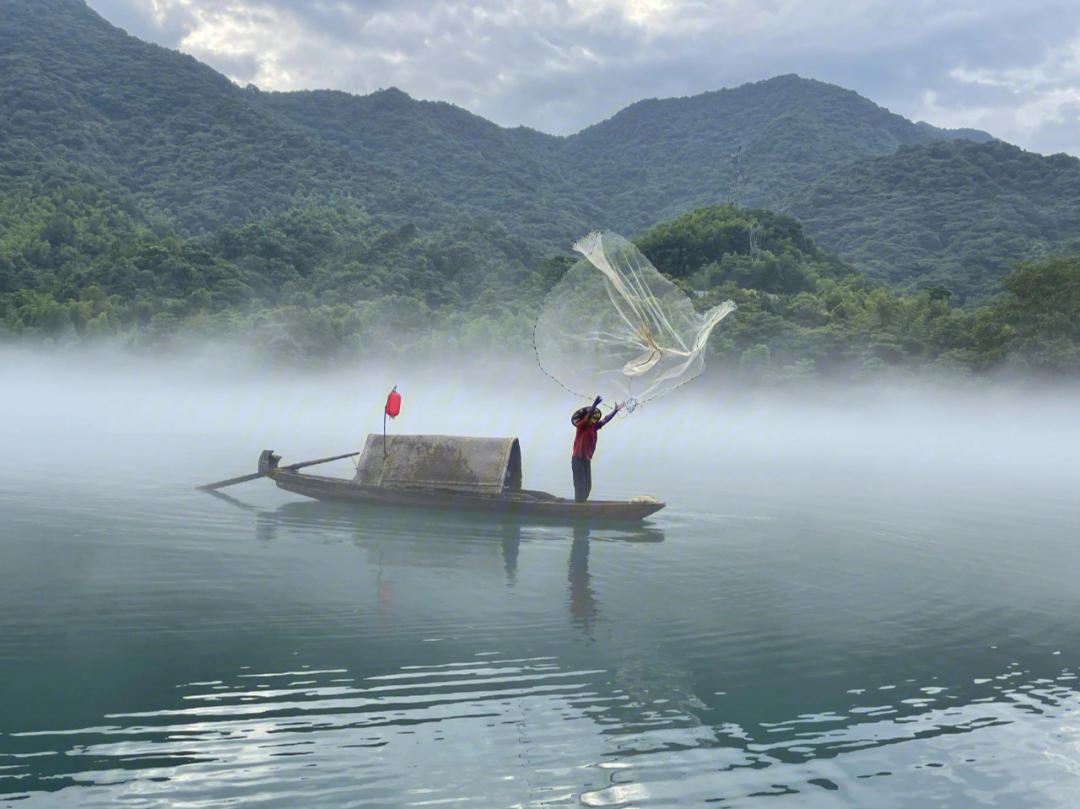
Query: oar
[221, 484]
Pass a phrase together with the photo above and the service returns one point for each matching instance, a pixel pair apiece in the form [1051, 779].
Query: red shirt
[585, 440]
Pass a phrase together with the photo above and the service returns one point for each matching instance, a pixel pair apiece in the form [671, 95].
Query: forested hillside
[79, 99]
[197, 152]
[321, 285]
[653, 160]
[957, 214]
[145, 200]
[514, 175]
[660, 158]
[313, 284]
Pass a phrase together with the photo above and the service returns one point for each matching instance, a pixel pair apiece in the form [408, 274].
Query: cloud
[147, 19]
[560, 65]
[1037, 102]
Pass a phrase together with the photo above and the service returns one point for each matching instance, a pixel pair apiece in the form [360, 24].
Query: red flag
[393, 403]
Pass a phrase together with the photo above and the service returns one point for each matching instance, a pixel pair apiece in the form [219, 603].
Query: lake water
[853, 599]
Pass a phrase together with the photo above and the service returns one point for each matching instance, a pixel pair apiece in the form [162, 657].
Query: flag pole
[392, 400]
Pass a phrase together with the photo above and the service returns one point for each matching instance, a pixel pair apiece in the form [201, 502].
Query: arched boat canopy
[489, 466]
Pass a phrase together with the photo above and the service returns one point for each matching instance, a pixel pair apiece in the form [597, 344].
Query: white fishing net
[625, 331]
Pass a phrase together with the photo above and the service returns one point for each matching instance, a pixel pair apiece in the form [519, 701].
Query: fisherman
[588, 421]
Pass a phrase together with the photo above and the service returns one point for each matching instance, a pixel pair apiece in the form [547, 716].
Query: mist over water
[855, 597]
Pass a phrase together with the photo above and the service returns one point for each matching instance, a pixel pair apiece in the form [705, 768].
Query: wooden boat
[448, 472]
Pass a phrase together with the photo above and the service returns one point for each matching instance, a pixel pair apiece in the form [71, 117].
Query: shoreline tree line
[324, 284]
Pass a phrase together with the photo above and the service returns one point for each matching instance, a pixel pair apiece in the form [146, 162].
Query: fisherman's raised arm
[610, 415]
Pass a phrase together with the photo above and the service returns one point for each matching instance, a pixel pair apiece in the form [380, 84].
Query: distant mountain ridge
[81, 100]
[955, 213]
[78, 90]
[790, 131]
[653, 160]
[961, 133]
[77, 95]
[510, 174]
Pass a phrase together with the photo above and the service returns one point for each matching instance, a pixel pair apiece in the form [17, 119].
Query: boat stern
[268, 461]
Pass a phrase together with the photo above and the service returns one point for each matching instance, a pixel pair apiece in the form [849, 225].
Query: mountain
[78, 95]
[514, 175]
[976, 135]
[956, 213]
[659, 158]
[76, 92]
[651, 161]
[178, 146]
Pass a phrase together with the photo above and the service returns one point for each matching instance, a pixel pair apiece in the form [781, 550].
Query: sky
[1008, 67]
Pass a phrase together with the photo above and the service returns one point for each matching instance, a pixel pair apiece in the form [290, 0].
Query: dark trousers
[582, 478]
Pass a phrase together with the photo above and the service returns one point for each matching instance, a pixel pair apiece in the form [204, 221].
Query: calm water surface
[873, 608]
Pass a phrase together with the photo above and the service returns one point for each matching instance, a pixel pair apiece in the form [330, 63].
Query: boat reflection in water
[380, 653]
[416, 538]
[429, 535]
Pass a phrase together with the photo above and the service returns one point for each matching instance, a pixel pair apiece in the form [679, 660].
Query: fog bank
[176, 419]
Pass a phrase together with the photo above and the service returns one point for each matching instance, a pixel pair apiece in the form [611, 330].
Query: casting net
[625, 331]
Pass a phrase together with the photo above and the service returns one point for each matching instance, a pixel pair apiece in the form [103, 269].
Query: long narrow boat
[449, 472]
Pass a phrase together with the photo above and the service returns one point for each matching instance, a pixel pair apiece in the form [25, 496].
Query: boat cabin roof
[489, 466]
